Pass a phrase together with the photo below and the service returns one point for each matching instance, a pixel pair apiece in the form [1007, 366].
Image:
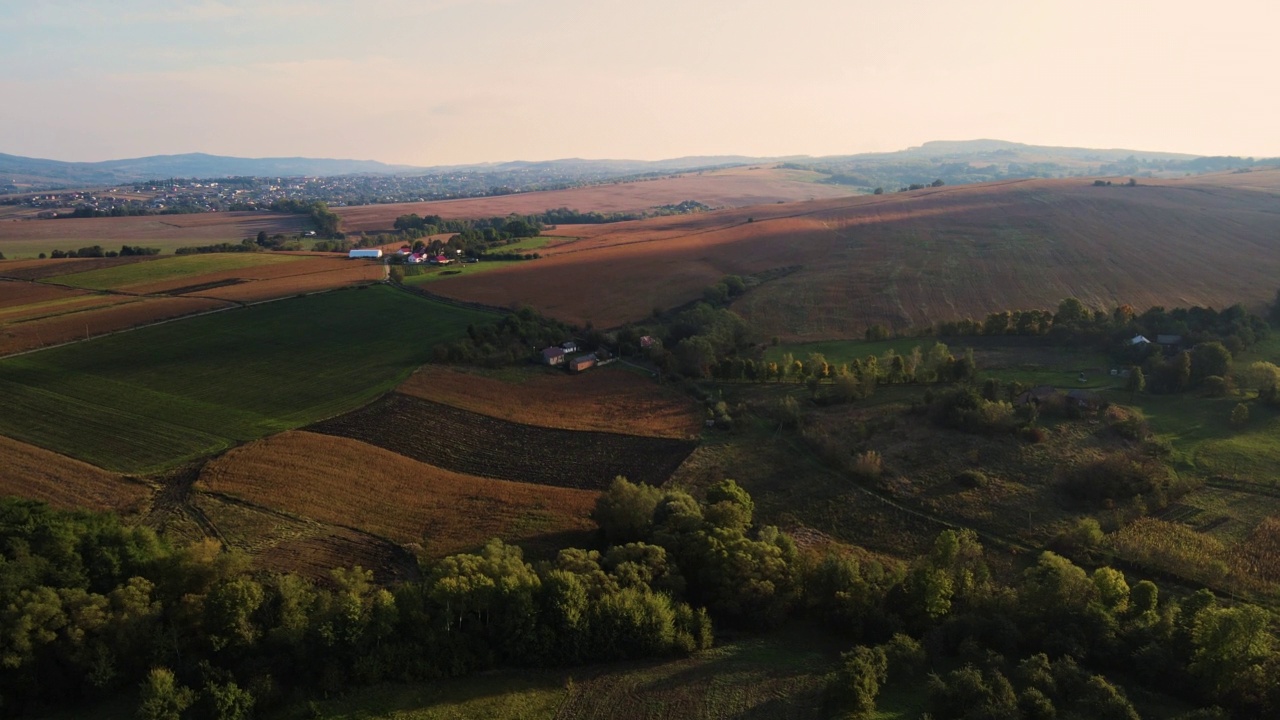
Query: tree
[1209, 359]
[857, 683]
[625, 511]
[1240, 416]
[162, 698]
[1136, 383]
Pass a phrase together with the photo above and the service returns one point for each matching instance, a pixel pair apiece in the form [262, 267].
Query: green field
[419, 274]
[776, 676]
[149, 399]
[169, 269]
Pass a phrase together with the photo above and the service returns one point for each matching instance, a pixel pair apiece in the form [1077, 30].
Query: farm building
[365, 253]
[553, 356]
[582, 362]
[1139, 340]
[569, 346]
[1169, 339]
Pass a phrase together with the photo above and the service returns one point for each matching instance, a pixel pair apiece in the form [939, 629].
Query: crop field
[101, 317]
[162, 273]
[346, 482]
[420, 274]
[17, 294]
[914, 258]
[48, 268]
[475, 444]
[26, 238]
[732, 187]
[609, 399]
[158, 396]
[37, 474]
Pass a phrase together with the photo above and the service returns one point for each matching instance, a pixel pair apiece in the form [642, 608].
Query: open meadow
[345, 482]
[153, 398]
[914, 258]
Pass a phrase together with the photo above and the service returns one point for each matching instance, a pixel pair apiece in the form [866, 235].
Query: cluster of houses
[568, 355]
[407, 254]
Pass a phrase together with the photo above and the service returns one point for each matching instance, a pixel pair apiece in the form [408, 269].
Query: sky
[436, 82]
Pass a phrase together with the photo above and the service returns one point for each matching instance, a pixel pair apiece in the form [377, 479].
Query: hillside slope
[913, 258]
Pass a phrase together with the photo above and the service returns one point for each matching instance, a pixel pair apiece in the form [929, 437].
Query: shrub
[868, 465]
[1117, 477]
[1215, 386]
[1240, 416]
[972, 479]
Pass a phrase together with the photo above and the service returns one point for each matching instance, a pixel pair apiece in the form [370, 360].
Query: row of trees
[96, 251]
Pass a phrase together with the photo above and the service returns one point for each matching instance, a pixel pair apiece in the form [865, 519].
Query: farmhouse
[365, 253]
[553, 356]
[582, 362]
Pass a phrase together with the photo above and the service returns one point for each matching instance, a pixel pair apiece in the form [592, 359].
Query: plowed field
[31, 472]
[345, 482]
[475, 444]
[608, 400]
[15, 293]
[909, 259]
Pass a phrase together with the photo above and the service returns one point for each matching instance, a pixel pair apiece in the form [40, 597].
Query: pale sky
[431, 82]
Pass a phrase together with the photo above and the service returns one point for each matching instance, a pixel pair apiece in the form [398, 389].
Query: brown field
[54, 330]
[348, 483]
[27, 237]
[734, 187]
[607, 400]
[31, 472]
[17, 293]
[76, 303]
[45, 269]
[909, 259]
[324, 274]
[475, 444]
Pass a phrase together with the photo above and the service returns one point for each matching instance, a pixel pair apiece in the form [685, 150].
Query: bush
[1117, 477]
[972, 479]
[868, 465]
[1240, 416]
[1215, 386]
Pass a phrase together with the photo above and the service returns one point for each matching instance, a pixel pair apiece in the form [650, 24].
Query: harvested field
[16, 293]
[252, 268]
[732, 187]
[475, 444]
[608, 400]
[349, 483]
[330, 276]
[65, 327]
[914, 258]
[27, 238]
[159, 396]
[78, 302]
[172, 271]
[31, 472]
[45, 269]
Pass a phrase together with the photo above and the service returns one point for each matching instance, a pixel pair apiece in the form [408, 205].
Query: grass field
[348, 483]
[155, 397]
[419, 274]
[164, 269]
[610, 399]
[776, 676]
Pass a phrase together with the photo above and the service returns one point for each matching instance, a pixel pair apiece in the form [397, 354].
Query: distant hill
[903, 260]
[113, 172]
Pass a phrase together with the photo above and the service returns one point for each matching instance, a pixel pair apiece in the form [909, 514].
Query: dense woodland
[95, 608]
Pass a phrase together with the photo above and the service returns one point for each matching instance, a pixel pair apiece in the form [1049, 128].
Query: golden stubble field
[35, 473]
[348, 483]
[909, 259]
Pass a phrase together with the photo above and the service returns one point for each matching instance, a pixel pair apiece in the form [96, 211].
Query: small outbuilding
[553, 356]
[569, 346]
[582, 362]
[1139, 340]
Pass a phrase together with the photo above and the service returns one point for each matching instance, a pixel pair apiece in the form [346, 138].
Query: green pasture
[528, 244]
[180, 266]
[145, 400]
[840, 352]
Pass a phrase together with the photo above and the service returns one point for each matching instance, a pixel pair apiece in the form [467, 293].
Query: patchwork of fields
[159, 396]
[475, 444]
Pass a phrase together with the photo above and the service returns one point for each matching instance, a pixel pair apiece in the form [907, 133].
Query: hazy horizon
[449, 82]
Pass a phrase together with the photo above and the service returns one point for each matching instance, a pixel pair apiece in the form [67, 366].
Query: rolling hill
[912, 258]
